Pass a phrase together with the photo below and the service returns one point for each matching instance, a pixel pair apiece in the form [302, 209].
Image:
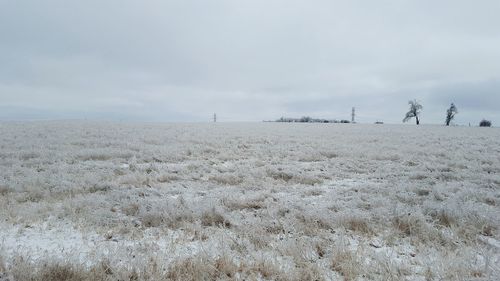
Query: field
[249, 201]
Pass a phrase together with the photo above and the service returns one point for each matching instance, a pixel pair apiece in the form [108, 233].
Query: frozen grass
[116, 201]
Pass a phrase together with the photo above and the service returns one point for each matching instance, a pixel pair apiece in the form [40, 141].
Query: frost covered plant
[414, 111]
[450, 114]
[485, 123]
[97, 201]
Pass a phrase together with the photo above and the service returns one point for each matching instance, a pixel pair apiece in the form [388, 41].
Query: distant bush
[485, 123]
[305, 119]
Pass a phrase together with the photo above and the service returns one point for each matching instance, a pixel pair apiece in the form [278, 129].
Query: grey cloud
[482, 95]
[247, 60]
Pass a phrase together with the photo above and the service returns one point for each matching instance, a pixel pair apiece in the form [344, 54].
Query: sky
[249, 60]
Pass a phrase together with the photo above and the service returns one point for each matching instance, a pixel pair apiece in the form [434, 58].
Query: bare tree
[450, 113]
[415, 109]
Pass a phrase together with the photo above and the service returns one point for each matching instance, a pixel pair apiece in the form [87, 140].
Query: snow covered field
[256, 201]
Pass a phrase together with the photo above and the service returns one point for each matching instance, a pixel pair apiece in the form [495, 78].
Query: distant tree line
[307, 119]
[414, 112]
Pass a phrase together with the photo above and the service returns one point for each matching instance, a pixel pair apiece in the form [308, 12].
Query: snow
[406, 202]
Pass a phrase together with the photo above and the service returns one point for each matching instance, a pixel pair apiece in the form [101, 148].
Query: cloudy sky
[248, 60]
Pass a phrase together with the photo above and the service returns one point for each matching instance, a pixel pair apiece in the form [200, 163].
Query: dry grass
[358, 224]
[307, 180]
[195, 268]
[226, 179]
[410, 224]
[247, 202]
[214, 218]
[346, 263]
[203, 268]
[4, 190]
[279, 175]
[131, 209]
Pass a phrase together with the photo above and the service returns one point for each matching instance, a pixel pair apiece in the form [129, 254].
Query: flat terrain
[256, 201]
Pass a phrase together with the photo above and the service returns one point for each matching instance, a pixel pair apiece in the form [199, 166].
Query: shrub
[485, 123]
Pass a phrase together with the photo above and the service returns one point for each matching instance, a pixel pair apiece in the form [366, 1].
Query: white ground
[273, 200]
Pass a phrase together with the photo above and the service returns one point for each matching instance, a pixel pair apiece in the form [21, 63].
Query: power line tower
[353, 115]
[215, 117]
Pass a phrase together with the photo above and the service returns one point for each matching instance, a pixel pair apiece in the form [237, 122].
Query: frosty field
[249, 201]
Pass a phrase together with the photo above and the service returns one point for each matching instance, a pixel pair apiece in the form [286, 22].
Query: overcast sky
[248, 60]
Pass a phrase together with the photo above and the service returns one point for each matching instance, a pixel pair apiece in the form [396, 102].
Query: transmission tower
[353, 115]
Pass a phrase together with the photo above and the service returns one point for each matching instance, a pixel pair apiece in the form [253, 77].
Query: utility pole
[353, 115]
[215, 117]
